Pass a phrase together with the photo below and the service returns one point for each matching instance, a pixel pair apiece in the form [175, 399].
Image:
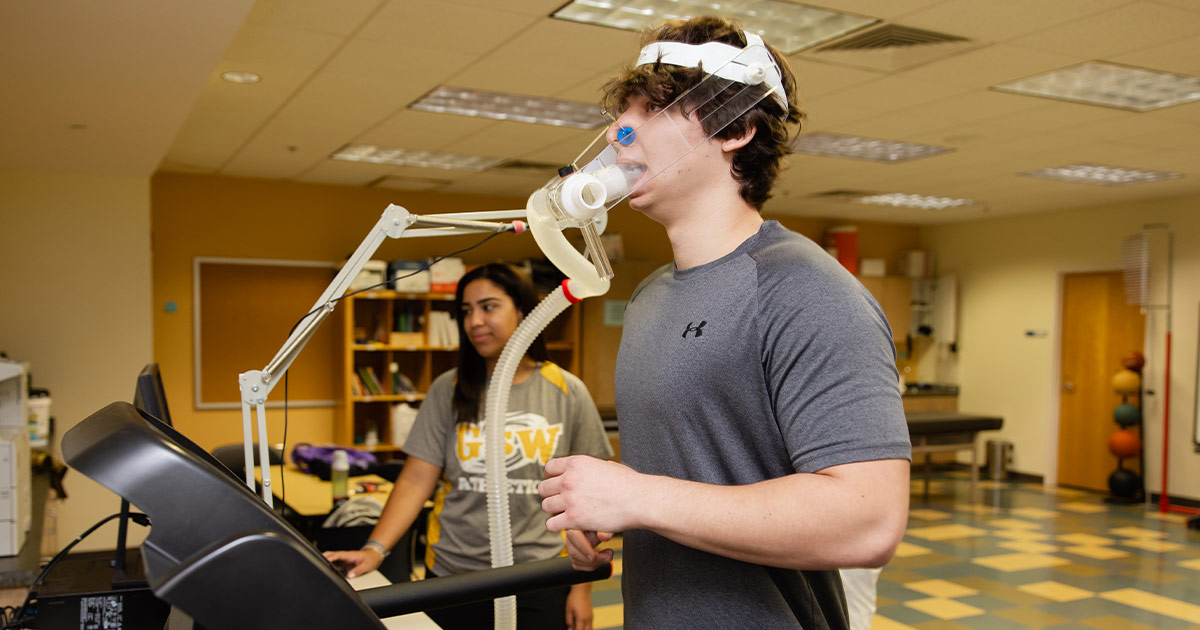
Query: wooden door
[1098, 328]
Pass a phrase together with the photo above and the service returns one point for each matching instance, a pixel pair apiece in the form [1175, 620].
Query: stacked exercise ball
[1126, 484]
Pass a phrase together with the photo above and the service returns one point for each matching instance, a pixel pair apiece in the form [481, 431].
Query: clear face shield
[737, 80]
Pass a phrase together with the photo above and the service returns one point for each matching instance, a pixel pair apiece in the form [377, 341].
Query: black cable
[425, 266]
[137, 517]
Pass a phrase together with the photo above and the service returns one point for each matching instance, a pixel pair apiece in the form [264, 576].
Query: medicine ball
[1124, 483]
[1133, 361]
[1126, 382]
[1124, 443]
[1126, 414]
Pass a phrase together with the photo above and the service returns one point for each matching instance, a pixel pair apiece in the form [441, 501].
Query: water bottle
[339, 474]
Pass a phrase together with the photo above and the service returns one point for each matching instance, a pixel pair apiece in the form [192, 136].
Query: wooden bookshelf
[386, 328]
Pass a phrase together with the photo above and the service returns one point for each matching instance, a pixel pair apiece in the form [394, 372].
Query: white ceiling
[144, 77]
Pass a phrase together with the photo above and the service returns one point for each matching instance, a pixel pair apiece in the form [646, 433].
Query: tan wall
[1010, 274]
[75, 250]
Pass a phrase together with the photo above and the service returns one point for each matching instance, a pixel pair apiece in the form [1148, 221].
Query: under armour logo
[699, 330]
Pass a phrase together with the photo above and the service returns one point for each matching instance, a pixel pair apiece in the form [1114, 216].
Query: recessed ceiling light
[857, 147]
[1109, 85]
[788, 26]
[531, 109]
[1099, 174]
[404, 157]
[241, 77]
[924, 202]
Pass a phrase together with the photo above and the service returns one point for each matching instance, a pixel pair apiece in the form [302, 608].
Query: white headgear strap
[750, 65]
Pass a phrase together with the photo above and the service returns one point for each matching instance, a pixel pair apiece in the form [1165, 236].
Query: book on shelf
[401, 384]
[443, 332]
[356, 386]
[370, 382]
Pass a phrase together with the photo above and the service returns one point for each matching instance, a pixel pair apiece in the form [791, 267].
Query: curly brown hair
[756, 166]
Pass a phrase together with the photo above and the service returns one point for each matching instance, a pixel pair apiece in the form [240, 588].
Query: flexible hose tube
[499, 521]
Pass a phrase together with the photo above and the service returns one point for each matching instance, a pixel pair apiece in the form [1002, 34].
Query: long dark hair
[472, 368]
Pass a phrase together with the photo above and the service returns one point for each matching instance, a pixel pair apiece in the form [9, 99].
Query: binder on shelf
[409, 276]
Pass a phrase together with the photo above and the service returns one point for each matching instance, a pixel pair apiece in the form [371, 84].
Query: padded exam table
[949, 431]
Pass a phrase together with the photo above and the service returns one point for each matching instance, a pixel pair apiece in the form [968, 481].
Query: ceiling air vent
[889, 36]
[891, 47]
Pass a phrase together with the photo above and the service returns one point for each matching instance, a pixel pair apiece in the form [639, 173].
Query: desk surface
[412, 621]
[308, 495]
[925, 422]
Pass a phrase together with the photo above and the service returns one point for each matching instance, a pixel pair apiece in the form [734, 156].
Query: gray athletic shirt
[550, 414]
[769, 361]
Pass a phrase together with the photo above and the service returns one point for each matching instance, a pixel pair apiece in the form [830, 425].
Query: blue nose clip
[625, 135]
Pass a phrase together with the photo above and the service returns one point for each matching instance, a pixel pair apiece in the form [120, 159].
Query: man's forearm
[845, 516]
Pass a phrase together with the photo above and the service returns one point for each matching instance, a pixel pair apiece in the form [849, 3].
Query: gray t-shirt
[770, 361]
[551, 414]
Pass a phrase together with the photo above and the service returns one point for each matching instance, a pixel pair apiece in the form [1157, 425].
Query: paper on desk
[412, 621]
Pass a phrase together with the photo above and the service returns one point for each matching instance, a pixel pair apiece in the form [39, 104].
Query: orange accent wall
[205, 215]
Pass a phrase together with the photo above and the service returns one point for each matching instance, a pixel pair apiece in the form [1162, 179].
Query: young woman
[550, 414]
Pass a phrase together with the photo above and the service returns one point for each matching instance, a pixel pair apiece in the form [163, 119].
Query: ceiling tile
[336, 18]
[1126, 28]
[432, 27]
[814, 78]
[422, 131]
[508, 138]
[984, 67]
[999, 21]
[1181, 56]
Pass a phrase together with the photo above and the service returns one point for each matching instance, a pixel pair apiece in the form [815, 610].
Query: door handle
[1069, 386]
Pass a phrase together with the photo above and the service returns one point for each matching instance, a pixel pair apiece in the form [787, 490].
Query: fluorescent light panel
[1100, 174]
[787, 26]
[860, 148]
[1109, 85]
[924, 202]
[530, 109]
[404, 157]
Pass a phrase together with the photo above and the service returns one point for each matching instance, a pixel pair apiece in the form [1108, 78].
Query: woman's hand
[356, 562]
[579, 607]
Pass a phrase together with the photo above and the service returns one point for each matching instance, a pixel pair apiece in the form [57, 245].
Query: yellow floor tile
[1096, 552]
[1056, 591]
[1155, 603]
[1031, 617]
[1067, 493]
[944, 608]
[1082, 570]
[908, 550]
[1137, 532]
[929, 515]
[1022, 534]
[879, 622]
[1113, 622]
[946, 532]
[1013, 523]
[1150, 544]
[1086, 539]
[612, 616]
[1029, 546]
[1019, 561]
[975, 508]
[940, 588]
[1169, 517]
[1080, 507]
[1032, 512]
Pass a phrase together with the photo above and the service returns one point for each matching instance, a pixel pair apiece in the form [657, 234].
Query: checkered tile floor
[1023, 557]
